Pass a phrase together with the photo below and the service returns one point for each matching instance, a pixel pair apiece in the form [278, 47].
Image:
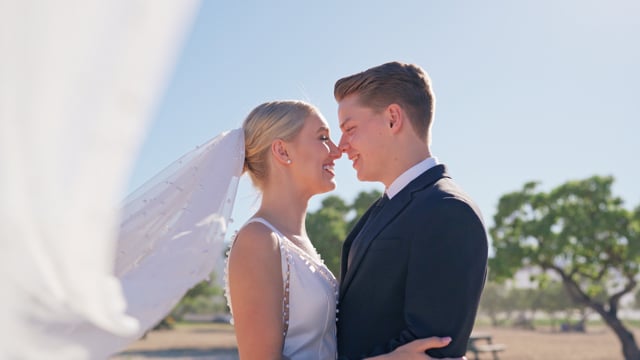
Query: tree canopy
[578, 232]
[328, 226]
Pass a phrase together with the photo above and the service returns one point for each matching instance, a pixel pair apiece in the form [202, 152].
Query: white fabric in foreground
[172, 235]
[173, 228]
[79, 81]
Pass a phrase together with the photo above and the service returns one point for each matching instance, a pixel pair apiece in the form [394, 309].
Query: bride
[282, 296]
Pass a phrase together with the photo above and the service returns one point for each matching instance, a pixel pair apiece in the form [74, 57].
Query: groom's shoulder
[444, 190]
[437, 183]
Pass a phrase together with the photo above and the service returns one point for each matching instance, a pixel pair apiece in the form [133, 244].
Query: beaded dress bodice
[311, 304]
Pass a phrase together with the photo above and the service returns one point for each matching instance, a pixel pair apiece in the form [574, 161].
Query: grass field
[217, 342]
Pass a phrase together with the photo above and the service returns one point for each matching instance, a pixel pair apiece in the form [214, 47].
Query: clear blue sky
[526, 90]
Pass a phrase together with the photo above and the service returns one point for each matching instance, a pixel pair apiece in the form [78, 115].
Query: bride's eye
[324, 138]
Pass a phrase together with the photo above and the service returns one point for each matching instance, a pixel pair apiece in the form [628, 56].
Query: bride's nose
[334, 151]
[343, 144]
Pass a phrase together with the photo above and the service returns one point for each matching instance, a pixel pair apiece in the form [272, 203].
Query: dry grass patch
[217, 341]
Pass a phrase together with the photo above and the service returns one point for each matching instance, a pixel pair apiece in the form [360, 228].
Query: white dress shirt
[406, 177]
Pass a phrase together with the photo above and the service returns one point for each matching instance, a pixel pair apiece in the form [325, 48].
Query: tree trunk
[630, 348]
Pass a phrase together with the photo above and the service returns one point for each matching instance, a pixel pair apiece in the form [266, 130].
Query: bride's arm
[416, 350]
[255, 286]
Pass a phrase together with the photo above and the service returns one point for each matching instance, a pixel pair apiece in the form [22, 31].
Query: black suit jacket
[418, 271]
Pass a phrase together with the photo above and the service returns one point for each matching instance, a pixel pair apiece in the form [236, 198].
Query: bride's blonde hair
[266, 123]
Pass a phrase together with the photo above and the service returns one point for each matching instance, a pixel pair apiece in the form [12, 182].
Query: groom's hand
[416, 349]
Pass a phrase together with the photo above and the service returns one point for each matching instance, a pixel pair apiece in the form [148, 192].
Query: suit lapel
[365, 235]
[368, 233]
[346, 246]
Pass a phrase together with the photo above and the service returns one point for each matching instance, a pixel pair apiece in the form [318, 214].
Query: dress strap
[284, 252]
[265, 223]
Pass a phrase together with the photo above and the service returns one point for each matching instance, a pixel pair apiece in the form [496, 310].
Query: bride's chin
[330, 187]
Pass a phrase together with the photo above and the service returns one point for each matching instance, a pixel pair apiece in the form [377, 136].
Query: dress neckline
[317, 261]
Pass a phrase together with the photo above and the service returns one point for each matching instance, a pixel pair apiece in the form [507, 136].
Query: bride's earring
[278, 148]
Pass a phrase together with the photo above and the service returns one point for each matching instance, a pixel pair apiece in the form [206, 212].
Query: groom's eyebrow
[322, 128]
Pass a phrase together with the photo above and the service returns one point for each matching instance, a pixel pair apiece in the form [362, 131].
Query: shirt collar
[408, 176]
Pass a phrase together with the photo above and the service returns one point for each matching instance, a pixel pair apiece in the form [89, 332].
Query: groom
[415, 264]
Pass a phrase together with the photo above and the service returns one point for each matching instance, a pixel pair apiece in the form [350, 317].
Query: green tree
[327, 229]
[521, 301]
[328, 226]
[554, 299]
[200, 299]
[636, 300]
[361, 204]
[580, 232]
[493, 301]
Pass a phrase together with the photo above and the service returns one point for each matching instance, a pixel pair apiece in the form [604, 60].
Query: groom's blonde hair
[407, 85]
[266, 123]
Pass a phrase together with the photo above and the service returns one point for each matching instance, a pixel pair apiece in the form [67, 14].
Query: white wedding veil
[79, 82]
[172, 235]
[173, 228]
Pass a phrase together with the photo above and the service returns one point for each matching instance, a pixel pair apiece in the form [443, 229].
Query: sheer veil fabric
[173, 228]
[79, 82]
[172, 234]
[171, 237]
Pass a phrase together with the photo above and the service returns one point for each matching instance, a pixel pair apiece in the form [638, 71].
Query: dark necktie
[370, 220]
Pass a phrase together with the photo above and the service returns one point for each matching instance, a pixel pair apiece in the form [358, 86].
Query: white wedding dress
[313, 293]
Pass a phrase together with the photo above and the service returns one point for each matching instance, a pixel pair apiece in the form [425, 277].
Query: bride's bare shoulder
[255, 259]
[255, 239]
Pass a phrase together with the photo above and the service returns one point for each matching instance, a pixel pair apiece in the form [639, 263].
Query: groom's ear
[395, 117]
